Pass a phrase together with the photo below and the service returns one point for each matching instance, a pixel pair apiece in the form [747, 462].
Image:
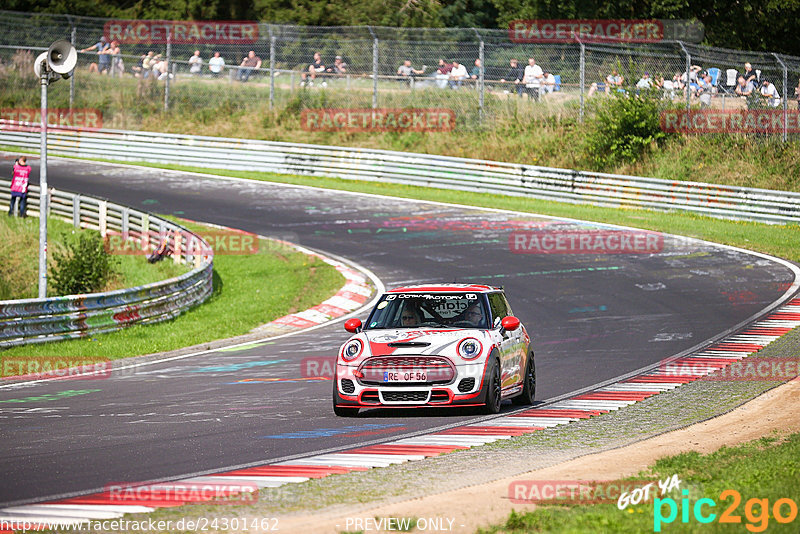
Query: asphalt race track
[593, 317]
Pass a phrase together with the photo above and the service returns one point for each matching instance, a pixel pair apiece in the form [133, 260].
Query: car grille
[466, 384]
[348, 386]
[405, 396]
[438, 370]
[370, 397]
[439, 395]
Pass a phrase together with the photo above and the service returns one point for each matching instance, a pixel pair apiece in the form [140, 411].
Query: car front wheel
[493, 389]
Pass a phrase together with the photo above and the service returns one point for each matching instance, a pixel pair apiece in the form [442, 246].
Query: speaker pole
[44, 77]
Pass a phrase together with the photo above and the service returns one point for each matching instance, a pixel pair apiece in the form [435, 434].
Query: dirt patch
[476, 506]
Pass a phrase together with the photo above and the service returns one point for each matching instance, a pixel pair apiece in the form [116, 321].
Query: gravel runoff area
[317, 504]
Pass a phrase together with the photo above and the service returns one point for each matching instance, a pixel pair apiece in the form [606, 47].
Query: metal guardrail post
[271, 69]
[76, 211]
[688, 68]
[785, 97]
[166, 82]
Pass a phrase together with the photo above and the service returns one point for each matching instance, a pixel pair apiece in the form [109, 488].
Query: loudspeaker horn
[62, 57]
[37, 65]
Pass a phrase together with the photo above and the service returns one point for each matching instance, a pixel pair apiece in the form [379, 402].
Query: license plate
[405, 376]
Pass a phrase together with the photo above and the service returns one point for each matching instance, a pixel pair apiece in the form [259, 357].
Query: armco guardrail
[50, 319]
[418, 169]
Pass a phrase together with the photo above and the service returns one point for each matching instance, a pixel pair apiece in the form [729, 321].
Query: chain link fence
[286, 69]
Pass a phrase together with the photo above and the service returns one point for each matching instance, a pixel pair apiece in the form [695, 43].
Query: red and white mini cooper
[444, 345]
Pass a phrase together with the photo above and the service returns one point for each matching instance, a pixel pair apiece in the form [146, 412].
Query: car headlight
[352, 350]
[469, 348]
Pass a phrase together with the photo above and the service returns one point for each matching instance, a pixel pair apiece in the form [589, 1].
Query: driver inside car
[473, 315]
[410, 317]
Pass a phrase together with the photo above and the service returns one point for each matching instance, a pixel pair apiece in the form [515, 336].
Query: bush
[624, 127]
[84, 266]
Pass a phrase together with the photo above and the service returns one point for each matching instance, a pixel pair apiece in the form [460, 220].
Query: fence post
[785, 97]
[688, 67]
[72, 40]
[583, 77]
[480, 76]
[271, 69]
[166, 81]
[374, 68]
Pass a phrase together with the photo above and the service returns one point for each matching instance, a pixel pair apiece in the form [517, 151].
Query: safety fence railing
[565, 185]
[154, 69]
[40, 320]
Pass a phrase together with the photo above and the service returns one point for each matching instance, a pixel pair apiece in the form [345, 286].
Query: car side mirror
[354, 325]
[510, 323]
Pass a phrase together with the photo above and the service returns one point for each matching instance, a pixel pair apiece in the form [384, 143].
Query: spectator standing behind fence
[314, 68]
[196, 63]
[770, 92]
[216, 64]
[19, 186]
[408, 72]
[458, 73]
[248, 65]
[102, 59]
[515, 75]
[117, 65]
[533, 79]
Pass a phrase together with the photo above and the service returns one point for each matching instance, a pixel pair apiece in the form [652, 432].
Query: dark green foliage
[83, 267]
[624, 127]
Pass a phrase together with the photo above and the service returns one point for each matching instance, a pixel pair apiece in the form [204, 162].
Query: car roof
[445, 288]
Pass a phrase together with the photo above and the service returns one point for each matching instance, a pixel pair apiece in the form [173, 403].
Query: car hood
[418, 340]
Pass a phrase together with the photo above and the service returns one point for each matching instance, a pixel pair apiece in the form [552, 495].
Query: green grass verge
[249, 290]
[766, 468]
[19, 270]
[778, 240]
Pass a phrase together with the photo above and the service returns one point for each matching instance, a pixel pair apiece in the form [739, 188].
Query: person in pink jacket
[19, 186]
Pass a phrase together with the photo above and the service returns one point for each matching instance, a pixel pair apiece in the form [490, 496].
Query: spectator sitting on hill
[743, 87]
[797, 93]
[407, 71]
[515, 75]
[443, 73]
[316, 67]
[216, 64]
[548, 83]
[613, 81]
[458, 73]
[750, 75]
[196, 63]
[770, 92]
[645, 82]
[248, 65]
[339, 66]
[475, 73]
[704, 90]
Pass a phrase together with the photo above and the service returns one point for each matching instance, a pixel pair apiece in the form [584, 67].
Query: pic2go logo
[756, 511]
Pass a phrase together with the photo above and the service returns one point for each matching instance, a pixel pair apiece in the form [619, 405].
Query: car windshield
[414, 310]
